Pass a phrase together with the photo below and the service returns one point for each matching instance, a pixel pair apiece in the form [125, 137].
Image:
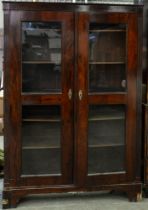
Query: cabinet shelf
[98, 118]
[40, 120]
[40, 175]
[45, 30]
[105, 145]
[41, 62]
[106, 173]
[40, 147]
[107, 30]
[106, 62]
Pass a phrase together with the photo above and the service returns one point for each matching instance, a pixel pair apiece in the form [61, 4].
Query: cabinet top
[74, 5]
[110, 2]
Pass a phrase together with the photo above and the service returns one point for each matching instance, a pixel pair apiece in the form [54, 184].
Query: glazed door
[106, 98]
[44, 98]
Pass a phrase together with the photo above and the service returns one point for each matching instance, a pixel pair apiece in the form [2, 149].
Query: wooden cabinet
[72, 98]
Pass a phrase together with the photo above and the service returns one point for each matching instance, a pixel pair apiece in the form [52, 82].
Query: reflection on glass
[106, 139]
[41, 78]
[41, 140]
[41, 57]
[107, 57]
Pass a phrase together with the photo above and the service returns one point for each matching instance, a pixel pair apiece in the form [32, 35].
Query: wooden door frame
[129, 99]
[14, 99]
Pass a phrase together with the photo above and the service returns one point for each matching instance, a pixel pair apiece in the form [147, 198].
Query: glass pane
[41, 140]
[41, 57]
[106, 138]
[107, 57]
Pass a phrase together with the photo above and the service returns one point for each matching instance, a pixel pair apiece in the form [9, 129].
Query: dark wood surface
[145, 101]
[75, 21]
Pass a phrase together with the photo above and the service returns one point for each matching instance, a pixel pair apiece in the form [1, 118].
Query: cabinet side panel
[12, 95]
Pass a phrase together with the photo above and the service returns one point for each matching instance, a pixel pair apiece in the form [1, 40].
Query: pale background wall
[1, 15]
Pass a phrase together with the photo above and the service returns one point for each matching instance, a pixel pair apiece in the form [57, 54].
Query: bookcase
[72, 98]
